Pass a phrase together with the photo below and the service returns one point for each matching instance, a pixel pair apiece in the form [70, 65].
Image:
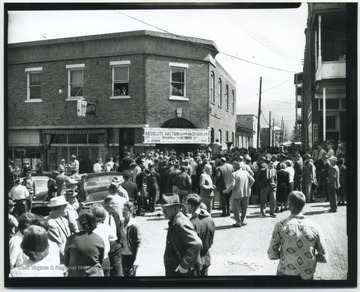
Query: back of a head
[35, 243]
[25, 220]
[41, 221]
[87, 220]
[193, 200]
[296, 202]
[99, 212]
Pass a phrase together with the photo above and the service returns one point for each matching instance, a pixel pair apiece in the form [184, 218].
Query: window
[33, 76]
[232, 101]
[178, 80]
[232, 137]
[220, 92]
[75, 80]
[220, 136]
[120, 78]
[227, 136]
[212, 87]
[227, 97]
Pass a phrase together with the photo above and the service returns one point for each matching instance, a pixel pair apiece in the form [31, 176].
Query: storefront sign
[176, 136]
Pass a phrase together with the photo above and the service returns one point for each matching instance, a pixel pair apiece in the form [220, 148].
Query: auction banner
[176, 136]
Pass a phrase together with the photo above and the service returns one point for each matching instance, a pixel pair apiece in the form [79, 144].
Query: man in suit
[225, 172]
[241, 191]
[111, 205]
[267, 180]
[59, 229]
[129, 186]
[333, 181]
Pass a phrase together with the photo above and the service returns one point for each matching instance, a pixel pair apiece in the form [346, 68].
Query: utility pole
[259, 113]
[282, 129]
[273, 132]
[270, 128]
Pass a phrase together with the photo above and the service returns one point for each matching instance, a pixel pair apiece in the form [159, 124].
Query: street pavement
[243, 251]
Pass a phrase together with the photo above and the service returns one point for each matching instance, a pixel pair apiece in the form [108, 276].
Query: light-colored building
[246, 129]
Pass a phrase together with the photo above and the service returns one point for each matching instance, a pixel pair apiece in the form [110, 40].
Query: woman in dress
[84, 251]
[282, 190]
[131, 242]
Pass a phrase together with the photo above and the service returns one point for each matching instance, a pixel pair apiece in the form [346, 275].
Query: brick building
[138, 80]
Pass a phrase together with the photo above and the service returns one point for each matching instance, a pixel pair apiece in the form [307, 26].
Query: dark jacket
[205, 228]
[263, 181]
[183, 245]
[131, 189]
[133, 236]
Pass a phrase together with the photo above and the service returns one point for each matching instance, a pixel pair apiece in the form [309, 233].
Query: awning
[75, 131]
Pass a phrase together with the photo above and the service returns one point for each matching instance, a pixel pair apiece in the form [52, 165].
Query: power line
[187, 39]
[264, 118]
[277, 85]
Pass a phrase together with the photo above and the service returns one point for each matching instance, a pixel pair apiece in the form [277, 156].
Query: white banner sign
[176, 136]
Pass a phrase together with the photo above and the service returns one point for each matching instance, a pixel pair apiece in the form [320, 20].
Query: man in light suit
[59, 230]
[241, 191]
[267, 180]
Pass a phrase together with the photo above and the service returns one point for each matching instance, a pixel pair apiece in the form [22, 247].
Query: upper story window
[220, 92]
[212, 87]
[120, 79]
[227, 97]
[75, 80]
[232, 101]
[33, 76]
[178, 81]
[220, 136]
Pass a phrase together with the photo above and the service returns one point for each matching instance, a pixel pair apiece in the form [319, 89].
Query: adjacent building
[141, 84]
[323, 103]
[246, 129]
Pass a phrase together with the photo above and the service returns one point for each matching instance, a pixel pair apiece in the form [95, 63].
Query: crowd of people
[104, 239]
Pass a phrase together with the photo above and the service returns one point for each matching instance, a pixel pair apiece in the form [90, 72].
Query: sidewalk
[243, 251]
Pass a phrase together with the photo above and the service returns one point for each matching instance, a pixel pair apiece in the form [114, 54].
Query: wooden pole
[259, 113]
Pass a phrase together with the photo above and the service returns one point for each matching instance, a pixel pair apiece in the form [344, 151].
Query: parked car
[40, 193]
[92, 188]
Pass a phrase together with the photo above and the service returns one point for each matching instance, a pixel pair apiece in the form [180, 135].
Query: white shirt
[97, 167]
[104, 231]
[19, 192]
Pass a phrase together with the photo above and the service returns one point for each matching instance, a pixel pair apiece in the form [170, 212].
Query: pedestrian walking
[297, 242]
[241, 191]
[205, 228]
[183, 245]
[282, 189]
[298, 167]
[309, 176]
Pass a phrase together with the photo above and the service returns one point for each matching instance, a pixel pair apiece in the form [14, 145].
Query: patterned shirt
[294, 242]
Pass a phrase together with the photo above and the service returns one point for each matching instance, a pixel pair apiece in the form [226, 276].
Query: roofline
[115, 35]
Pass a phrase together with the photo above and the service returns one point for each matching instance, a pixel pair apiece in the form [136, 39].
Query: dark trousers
[152, 200]
[115, 259]
[332, 198]
[225, 202]
[21, 207]
[128, 265]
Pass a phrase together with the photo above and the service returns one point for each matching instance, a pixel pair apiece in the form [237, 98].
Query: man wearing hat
[115, 188]
[309, 176]
[183, 183]
[333, 181]
[59, 229]
[73, 165]
[61, 182]
[21, 196]
[183, 245]
[26, 167]
[72, 209]
[51, 184]
[62, 166]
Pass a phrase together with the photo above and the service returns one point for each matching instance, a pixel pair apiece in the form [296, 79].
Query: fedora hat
[115, 181]
[113, 186]
[57, 201]
[171, 199]
[237, 165]
[333, 158]
[70, 193]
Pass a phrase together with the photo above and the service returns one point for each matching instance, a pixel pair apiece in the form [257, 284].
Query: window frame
[71, 68]
[185, 67]
[220, 92]
[29, 71]
[227, 97]
[233, 102]
[120, 64]
[212, 88]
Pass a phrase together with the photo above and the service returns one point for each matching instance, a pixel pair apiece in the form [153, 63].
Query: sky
[253, 43]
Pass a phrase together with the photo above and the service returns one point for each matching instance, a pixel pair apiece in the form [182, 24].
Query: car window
[41, 183]
[99, 181]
